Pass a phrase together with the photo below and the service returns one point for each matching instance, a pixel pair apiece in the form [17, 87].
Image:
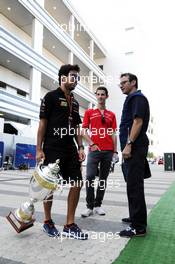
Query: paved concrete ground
[33, 246]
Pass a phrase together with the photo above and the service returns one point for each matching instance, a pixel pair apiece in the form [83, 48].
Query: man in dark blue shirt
[134, 145]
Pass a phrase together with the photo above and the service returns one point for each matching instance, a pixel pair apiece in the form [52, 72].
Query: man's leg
[72, 168]
[135, 193]
[71, 229]
[124, 167]
[72, 202]
[50, 157]
[135, 189]
[49, 226]
[124, 170]
[91, 171]
[105, 164]
[47, 208]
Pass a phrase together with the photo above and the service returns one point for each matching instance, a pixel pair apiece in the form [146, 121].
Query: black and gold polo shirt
[57, 110]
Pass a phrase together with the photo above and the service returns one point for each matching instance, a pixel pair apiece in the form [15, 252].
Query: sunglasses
[76, 76]
[123, 83]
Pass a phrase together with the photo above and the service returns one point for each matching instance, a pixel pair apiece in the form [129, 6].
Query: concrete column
[37, 36]
[37, 45]
[91, 81]
[33, 128]
[92, 49]
[71, 57]
[41, 2]
[72, 26]
[35, 85]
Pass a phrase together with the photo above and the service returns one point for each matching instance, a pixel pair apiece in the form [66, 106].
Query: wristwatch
[80, 147]
[129, 142]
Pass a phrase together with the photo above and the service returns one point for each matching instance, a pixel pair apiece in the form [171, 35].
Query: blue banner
[1, 152]
[25, 155]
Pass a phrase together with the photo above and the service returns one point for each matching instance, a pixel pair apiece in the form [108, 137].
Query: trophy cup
[44, 181]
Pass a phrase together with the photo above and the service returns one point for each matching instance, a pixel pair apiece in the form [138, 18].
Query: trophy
[44, 181]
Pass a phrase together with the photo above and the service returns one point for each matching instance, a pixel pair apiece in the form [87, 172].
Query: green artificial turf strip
[158, 246]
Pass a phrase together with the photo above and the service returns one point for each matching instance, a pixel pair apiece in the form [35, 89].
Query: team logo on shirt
[63, 103]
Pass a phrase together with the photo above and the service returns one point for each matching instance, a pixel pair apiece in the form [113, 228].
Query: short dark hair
[131, 77]
[65, 69]
[102, 88]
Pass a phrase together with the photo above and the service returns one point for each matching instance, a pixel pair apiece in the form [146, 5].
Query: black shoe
[75, 232]
[50, 229]
[131, 232]
[126, 220]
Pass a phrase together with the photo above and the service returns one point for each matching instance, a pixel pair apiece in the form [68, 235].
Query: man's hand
[127, 151]
[94, 148]
[39, 155]
[81, 155]
[115, 158]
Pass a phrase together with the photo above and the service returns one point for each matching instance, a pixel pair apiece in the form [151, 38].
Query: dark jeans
[134, 171]
[95, 158]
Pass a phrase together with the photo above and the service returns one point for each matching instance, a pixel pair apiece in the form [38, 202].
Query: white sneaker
[99, 211]
[87, 213]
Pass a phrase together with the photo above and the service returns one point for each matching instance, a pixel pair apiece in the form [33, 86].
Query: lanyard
[69, 99]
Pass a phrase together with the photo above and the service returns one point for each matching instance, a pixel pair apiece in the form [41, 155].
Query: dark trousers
[96, 158]
[134, 171]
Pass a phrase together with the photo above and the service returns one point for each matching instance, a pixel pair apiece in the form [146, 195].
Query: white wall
[52, 58]
[14, 79]
[19, 33]
[11, 27]
[43, 92]
[17, 81]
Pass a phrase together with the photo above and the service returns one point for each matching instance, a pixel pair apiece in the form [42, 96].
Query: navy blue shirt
[135, 105]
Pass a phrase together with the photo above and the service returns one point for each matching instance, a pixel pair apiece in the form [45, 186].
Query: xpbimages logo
[72, 131]
[86, 79]
[101, 236]
[94, 183]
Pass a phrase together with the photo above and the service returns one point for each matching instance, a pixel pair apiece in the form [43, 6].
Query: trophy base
[17, 225]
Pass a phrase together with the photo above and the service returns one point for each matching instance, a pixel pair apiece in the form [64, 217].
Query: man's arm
[86, 136]
[136, 128]
[135, 131]
[40, 138]
[78, 138]
[115, 154]
[114, 139]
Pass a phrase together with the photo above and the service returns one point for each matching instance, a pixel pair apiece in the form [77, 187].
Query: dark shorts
[70, 167]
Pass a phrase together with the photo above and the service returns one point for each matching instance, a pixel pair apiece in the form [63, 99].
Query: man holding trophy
[58, 127]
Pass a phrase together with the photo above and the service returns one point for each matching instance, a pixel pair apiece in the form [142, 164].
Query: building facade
[36, 38]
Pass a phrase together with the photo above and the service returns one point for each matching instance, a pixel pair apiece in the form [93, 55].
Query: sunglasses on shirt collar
[103, 119]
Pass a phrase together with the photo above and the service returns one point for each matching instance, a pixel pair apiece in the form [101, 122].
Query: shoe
[74, 231]
[126, 220]
[131, 232]
[88, 212]
[50, 229]
[99, 211]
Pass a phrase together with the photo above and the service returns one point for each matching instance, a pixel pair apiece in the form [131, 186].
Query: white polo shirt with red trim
[101, 128]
